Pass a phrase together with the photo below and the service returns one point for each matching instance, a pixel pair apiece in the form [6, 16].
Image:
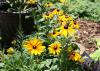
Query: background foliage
[86, 9]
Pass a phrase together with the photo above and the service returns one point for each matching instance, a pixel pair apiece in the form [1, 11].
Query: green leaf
[1, 65]
[98, 42]
[95, 55]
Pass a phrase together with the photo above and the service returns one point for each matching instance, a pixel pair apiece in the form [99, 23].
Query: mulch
[88, 30]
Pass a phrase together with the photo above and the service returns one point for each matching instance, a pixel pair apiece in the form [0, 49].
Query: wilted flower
[75, 56]
[10, 50]
[13, 42]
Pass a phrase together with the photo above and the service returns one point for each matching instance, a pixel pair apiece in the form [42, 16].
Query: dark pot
[9, 24]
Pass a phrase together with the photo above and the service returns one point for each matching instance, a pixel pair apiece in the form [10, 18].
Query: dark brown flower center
[65, 27]
[34, 47]
[58, 10]
[55, 47]
[48, 3]
[61, 21]
[73, 54]
[75, 22]
[52, 10]
[47, 14]
[66, 16]
[54, 32]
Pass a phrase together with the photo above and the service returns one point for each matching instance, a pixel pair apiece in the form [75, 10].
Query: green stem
[63, 58]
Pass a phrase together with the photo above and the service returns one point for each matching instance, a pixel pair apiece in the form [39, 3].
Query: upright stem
[63, 58]
[20, 20]
[20, 26]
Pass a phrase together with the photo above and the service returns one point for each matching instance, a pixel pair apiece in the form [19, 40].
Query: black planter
[9, 24]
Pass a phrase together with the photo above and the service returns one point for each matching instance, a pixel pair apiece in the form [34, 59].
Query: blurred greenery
[85, 9]
[96, 54]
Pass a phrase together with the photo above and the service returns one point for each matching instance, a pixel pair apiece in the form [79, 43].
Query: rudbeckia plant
[20, 6]
[50, 47]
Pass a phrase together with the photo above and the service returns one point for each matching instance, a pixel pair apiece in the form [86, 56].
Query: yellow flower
[67, 31]
[62, 1]
[57, 12]
[34, 46]
[75, 56]
[65, 19]
[69, 18]
[49, 4]
[75, 25]
[10, 50]
[62, 19]
[31, 1]
[48, 16]
[54, 48]
[54, 34]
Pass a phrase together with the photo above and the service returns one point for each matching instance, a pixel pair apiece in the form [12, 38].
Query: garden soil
[87, 33]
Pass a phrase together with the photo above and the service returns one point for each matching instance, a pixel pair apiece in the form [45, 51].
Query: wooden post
[8, 26]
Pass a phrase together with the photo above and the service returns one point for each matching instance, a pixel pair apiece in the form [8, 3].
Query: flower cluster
[62, 25]
[35, 47]
[52, 38]
[66, 25]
